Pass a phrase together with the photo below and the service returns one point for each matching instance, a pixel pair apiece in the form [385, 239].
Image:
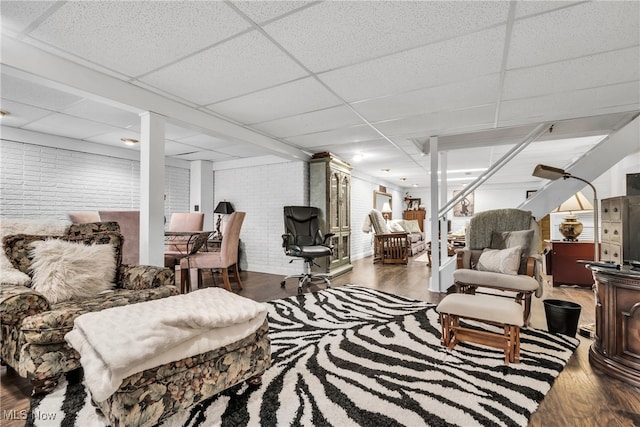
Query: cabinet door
[334, 202]
[566, 270]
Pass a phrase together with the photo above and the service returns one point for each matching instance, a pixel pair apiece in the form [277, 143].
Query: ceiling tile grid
[24, 92]
[584, 29]
[585, 102]
[316, 121]
[336, 34]
[413, 69]
[481, 90]
[459, 59]
[288, 99]
[18, 15]
[590, 71]
[69, 126]
[140, 37]
[242, 65]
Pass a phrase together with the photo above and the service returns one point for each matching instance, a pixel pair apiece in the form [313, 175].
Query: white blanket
[121, 341]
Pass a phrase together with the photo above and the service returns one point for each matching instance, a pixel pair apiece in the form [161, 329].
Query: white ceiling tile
[204, 141]
[316, 121]
[440, 122]
[243, 150]
[337, 136]
[526, 8]
[244, 64]
[590, 71]
[138, 36]
[114, 138]
[334, 34]
[21, 114]
[459, 59]
[175, 132]
[173, 148]
[92, 110]
[29, 93]
[291, 98]
[206, 155]
[481, 90]
[71, 127]
[575, 31]
[261, 11]
[18, 15]
[579, 103]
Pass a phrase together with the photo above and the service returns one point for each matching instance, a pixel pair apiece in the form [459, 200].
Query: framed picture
[413, 204]
[465, 206]
[530, 193]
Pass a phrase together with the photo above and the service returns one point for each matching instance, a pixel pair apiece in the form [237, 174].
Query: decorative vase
[570, 228]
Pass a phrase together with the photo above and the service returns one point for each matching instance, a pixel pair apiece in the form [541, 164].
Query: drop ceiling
[284, 79]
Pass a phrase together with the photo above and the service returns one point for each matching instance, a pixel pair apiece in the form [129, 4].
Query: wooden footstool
[487, 309]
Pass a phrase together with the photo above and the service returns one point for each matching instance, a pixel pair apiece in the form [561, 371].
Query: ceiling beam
[28, 62]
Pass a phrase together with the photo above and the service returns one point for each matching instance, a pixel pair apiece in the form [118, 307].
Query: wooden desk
[565, 269]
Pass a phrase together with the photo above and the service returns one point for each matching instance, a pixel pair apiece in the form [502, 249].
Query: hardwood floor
[579, 397]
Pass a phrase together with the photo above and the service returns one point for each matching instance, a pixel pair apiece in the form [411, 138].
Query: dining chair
[225, 258]
[181, 221]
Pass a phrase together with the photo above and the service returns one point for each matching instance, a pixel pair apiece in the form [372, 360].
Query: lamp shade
[223, 208]
[577, 202]
[386, 208]
[548, 172]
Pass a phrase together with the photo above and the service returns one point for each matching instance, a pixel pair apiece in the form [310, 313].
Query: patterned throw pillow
[506, 261]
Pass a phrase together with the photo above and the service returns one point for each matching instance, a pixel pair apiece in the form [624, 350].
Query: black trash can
[562, 316]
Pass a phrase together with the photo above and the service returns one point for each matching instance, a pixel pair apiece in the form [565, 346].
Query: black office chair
[303, 239]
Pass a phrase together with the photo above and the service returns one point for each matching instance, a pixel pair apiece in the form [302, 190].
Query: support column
[434, 284]
[201, 191]
[151, 189]
[444, 250]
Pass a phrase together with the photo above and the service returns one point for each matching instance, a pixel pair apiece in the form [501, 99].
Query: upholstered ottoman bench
[190, 347]
[489, 309]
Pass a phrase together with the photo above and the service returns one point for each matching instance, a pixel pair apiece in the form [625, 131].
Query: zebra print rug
[352, 356]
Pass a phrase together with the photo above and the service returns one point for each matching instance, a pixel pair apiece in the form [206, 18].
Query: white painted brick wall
[262, 192]
[44, 182]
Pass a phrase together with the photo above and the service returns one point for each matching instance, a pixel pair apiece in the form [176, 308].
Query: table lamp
[552, 173]
[386, 211]
[223, 208]
[571, 228]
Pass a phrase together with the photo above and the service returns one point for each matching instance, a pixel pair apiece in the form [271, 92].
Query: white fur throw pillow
[506, 261]
[68, 270]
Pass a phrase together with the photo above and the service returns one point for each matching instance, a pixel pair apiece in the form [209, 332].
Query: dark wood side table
[565, 268]
[616, 347]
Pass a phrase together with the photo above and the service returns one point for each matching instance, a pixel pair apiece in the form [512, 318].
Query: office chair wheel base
[282, 284]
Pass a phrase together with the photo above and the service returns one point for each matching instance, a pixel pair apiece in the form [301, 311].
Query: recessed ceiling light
[415, 185]
[386, 170]
[4, 113]
[357, 157]
[403, 179]
[129, 141]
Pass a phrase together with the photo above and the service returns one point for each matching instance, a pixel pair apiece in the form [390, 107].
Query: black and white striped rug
[352, 356]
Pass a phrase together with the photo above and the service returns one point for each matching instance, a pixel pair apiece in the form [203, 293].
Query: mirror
[380, 198]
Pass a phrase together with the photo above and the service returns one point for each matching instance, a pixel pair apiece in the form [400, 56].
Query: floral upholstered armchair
[34, 322]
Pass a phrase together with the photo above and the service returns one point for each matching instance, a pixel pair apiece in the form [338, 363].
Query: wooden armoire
[330, 191]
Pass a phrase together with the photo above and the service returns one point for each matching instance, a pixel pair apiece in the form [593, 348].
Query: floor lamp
[549, 172]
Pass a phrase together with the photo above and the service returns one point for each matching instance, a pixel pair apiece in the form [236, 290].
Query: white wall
[44, 182]
[262, 192]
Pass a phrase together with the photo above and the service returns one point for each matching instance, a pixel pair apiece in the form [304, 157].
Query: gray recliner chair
[303, 239]
[490, 237]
